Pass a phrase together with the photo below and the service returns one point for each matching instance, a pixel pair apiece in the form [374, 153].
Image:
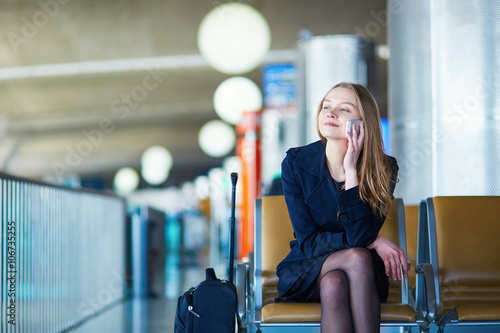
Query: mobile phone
[349, 126]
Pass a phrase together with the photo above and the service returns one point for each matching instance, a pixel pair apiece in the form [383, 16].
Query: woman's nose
[331, 114]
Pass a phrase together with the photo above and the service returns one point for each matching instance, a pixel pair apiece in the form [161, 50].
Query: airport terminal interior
[122, 121]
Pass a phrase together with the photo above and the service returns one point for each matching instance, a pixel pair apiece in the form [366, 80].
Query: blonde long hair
[374, 169]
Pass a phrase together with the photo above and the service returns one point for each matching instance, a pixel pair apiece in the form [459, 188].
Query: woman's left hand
[392, 256]
[354, 147]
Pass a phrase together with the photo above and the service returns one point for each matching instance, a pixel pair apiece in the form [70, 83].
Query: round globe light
[234, 38]
[126, 181]
[216, 138]
[235, 95]
[156, 163]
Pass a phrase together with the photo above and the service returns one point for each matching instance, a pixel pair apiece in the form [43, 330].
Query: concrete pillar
[444, 97]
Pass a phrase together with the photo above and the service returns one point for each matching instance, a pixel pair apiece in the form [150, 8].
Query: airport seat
[462, 278]
[273, 233]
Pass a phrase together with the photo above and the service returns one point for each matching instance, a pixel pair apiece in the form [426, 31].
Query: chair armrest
[242, 290]
[430, 289]
[405, 291]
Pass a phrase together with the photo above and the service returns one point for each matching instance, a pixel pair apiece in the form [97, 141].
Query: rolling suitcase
[211, 307]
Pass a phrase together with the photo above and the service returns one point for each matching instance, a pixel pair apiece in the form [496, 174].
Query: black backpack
[211, 307]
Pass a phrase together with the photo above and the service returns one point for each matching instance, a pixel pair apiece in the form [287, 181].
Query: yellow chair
[273, 233]
[463, 277]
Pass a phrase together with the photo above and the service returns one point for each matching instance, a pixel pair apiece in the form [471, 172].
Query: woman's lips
[331, 124]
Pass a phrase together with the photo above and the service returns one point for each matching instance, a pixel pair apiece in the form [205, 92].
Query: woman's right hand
[354, 147]
[392, 256]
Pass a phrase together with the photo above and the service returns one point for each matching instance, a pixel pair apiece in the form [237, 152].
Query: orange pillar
[248, 149]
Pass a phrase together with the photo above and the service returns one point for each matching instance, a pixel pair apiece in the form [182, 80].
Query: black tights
[348, 293]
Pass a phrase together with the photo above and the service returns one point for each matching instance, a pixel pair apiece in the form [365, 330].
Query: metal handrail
[62, 254]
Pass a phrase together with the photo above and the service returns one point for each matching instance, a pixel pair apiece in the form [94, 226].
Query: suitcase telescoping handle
[234, 179]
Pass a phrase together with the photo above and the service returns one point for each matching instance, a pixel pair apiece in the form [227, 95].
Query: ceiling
[67, 67]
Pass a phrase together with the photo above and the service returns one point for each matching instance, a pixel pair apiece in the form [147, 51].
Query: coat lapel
[321, 196]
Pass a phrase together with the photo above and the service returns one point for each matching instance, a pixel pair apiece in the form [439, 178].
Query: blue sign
[386, 137]
[279, 85]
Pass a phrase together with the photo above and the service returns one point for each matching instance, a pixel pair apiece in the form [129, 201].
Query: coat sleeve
[311, 241]
[360, 225]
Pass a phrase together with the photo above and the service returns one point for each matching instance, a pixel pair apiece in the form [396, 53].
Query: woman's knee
[334, 287]
[360, 258]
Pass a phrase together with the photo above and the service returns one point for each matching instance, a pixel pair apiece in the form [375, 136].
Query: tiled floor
[152, 315]
[134, 316]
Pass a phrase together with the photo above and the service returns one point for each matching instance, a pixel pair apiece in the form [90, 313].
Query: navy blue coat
[324, 220]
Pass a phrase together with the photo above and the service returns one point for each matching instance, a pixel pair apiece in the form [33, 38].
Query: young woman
[338, 191]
